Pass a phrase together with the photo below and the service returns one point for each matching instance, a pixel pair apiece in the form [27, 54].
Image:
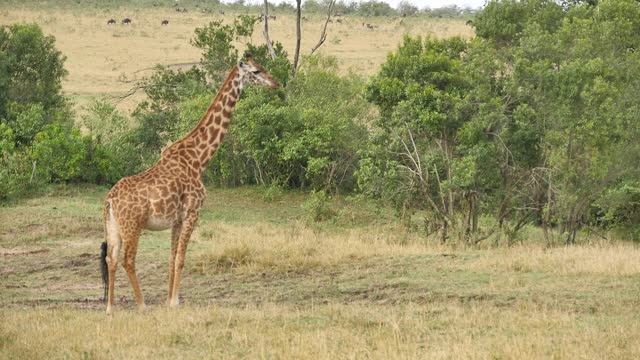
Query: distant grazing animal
[339, 21]
[126, 21]
[272, 17]
[181, 10]
[111, 21]
[370, 26]
[469, 22]
[164, 22]
[220, 12]
[170, 194]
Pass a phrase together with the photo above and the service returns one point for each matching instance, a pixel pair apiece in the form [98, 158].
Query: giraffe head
[252, 73]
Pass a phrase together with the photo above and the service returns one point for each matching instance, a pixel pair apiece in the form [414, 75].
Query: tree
[31, 73]
[534, 121]
[31, 106]
[420, 92]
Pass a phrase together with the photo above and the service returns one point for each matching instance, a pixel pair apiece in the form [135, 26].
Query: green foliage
[112, 140]
[104, 122]
[11, 173]
[375, 8]
[31, 69]
[506, 21]
[215, 39]
[37, 139]
[308, 139]
[536, 120]
[26, 120]
[59, 154]
[412, 159]
[318, 208]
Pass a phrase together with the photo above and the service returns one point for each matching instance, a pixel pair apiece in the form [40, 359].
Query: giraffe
[169, 195]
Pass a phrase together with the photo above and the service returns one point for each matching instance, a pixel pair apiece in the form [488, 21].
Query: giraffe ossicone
[169, 195]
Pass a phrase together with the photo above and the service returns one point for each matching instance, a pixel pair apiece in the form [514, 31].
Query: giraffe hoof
[142, 307]
[174, 303]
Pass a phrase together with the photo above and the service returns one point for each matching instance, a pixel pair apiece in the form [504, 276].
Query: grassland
[102, 59]
[263, 282]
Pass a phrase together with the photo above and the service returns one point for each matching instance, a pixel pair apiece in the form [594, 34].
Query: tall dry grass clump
[296, 247]
[620, 259]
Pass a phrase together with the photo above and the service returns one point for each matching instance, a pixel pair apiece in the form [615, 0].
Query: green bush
[317, 207]
[59, 154]
[37, 140]
[310, 138]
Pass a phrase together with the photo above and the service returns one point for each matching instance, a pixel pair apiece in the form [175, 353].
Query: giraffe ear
[240, 63]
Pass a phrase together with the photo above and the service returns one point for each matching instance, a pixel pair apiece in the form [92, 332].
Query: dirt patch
[22, 251]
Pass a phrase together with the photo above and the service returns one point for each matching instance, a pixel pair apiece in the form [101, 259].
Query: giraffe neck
[198, 147]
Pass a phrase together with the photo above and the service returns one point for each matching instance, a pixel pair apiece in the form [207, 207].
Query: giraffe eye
[256, 72]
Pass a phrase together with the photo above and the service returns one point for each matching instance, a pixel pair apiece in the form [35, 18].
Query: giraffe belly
[156, 223]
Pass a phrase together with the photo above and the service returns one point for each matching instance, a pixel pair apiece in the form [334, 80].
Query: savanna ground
[262, 280]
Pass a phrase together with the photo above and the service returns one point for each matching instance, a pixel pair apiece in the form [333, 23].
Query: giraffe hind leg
[130, 248]
[113, 248]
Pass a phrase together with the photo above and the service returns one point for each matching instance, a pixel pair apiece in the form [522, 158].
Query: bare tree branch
[296, 55]
[265, 32]
[323, 35]
[117, 99]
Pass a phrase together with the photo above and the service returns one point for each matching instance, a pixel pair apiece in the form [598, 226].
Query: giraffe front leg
[188, 225]
[175, 236]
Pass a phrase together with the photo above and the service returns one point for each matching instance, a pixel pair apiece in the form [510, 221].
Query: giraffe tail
[104, 248]
[104, 268]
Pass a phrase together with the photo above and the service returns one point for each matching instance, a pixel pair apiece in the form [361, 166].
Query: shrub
[59, 154]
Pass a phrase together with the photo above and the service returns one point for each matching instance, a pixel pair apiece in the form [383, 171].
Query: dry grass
[100, 56]
[294, 247]
[336, 331]
[599, 258]
[262, 283]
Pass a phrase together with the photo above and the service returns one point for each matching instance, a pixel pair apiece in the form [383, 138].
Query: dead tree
[266, 30]
[323, 34]
[296, 55]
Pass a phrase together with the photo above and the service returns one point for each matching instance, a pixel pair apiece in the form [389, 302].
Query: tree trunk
[443, 231]
[296, 54]
[266, 31]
